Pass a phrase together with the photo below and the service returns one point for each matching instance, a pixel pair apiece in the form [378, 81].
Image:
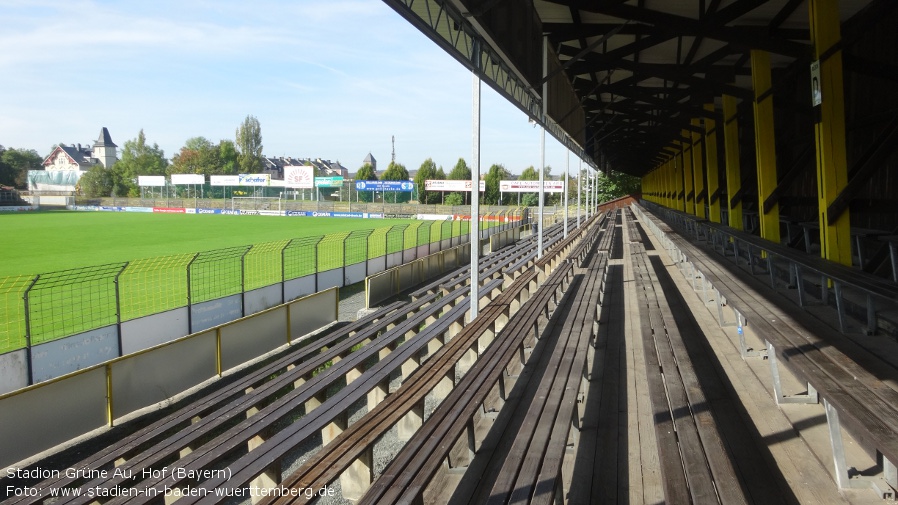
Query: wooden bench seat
[857, 386]
[357, 441]
[531, 471]
[210, 405]
[695, 465]
[460, 275]
[258, 460]
[875, 292]
[490, 265]
[407, 476]
[345, 355]
[360, 381]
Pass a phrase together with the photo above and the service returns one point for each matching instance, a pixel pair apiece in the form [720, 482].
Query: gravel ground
[352, 299]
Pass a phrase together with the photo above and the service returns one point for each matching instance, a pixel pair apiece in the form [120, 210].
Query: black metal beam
[872, 160]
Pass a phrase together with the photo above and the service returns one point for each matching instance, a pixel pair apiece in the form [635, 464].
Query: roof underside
[645, 69]
[626, 78]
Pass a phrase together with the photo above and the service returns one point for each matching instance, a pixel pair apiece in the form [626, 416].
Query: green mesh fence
[216, 274]
[411, 236]
[377, 242]
[262, 265]
[72, 301]
[356, 247]
[446, 230]
[300, 257]
[153, 285]
[396, 238]
[330, 251]
[12, 311]
[423, 234]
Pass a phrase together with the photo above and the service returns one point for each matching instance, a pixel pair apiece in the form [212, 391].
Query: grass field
[36, 242]
[81, 257]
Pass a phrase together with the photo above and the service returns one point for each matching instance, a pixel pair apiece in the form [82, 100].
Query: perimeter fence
[167, 297]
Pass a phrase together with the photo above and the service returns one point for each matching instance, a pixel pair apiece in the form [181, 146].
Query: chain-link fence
[45, 307]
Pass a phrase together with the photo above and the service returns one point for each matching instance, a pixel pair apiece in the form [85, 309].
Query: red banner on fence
[169, 210]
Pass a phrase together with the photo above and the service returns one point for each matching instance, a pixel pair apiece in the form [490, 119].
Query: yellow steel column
[832, 164]
[712, 168]
[765, 143]
[687, 175]
[668, 180]
[680, 179]
[731, 153]
[646, 184]
[698, 171]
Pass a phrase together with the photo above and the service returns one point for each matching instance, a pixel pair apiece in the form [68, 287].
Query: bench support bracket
[809, 397]
[746, 351]
[844, 479]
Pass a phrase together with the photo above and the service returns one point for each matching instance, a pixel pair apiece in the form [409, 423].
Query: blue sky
[326, 78]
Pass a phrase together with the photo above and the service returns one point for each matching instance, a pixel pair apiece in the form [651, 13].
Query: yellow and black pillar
[832, 164]
[712, 167]
[698, 172]
[731, 155]
[687, 173]
[765, 143]
[680, 179]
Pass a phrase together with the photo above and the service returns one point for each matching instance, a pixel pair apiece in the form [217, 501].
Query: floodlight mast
[475, 186]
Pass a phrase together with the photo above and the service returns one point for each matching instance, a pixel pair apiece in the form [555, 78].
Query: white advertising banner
[448, 185]
[254, 180]
[302, 177]
[157, 181]
[224, 180]
[530, 186]
[188, 179]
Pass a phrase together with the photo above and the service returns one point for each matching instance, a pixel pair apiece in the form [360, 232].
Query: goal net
[256, 203]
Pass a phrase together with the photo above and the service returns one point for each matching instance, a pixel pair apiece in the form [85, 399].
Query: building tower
[104, 149]
[371, 161]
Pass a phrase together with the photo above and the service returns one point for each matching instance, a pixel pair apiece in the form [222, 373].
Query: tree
[366, 173]
[454, 199]
[97, 182]
[15, 164]
[249, 145]
[615, 185]
[198, 156]
[529, 199]
[397, 172]
[7, 176]
[491, 194]
[138, 158]
[427, 171]
[227, 158]
[460, 172]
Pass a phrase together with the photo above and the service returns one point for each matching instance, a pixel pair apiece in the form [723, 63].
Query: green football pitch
[84, 282]
[36, 242]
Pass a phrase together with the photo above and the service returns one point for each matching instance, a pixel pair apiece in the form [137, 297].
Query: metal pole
[595, 193]
[567, 175]
[579, 185]
[588, 192]
[118, 307]
[542, 151]
[475, 183]
[243, 281]
[28, 339]
[189, 297]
